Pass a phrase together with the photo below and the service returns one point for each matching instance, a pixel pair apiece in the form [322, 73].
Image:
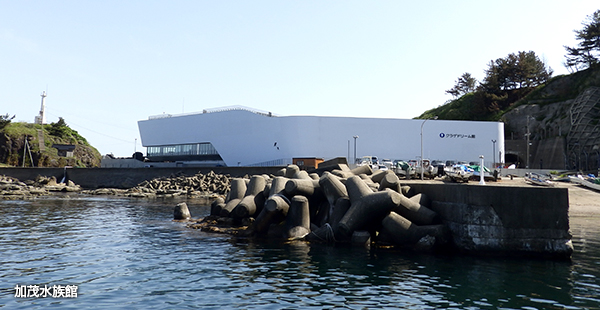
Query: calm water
[129, 254]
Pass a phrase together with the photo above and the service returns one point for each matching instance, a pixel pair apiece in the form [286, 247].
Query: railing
[215, 110]
[273, 163]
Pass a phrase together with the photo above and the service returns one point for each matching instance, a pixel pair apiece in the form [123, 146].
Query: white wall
[248, 138]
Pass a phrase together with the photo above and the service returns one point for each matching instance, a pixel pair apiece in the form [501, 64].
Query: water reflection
[130, 254]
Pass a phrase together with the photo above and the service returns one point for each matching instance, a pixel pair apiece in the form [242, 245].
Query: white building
[238, 136]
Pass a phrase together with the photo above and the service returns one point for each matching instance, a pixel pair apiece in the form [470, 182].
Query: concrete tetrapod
[253, 199]
[297, 222]
[357, 188]
[402, 232]
[249, 206]
[237, 191]
[421, 199]
[332, 187]
[277, 186]
[229, 206]
[366, 169]
[342, 174]
[319, 212]
[275, 210]
[342, 205]
[216, 206]
[290, 170]
[367, 212]
[256, 185]
[391, 181]
[326, 232]
[416, 213]
[304, 187]
[378, 175]
[181, 212]
[301, 175]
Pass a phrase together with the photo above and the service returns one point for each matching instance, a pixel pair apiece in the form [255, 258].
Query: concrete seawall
[92, 178]
[503, 219]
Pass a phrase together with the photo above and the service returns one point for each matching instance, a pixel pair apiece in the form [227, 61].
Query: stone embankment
[11, 188]
[344, 206]
[210, 185]
[199, 185]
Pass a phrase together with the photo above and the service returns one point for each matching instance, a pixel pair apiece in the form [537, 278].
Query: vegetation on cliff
[18, 140]
[523, 78]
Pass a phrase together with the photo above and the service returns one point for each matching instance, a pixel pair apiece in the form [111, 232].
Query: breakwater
[469, 217]
[362, 207]
[125, 178]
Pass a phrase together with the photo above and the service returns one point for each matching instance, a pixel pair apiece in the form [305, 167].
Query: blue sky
[108, 64]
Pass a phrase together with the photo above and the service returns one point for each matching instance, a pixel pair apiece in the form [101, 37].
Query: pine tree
[464, 85]
[587, 52]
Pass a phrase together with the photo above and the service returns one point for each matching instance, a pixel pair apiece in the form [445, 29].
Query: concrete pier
[496, 219]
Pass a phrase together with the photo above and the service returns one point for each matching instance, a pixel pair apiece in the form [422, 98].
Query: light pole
[528, 134]
[348, 152]
[494, 153]
[423, 123]
[355, 137]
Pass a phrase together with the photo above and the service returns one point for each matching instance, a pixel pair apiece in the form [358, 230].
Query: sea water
[129, 254]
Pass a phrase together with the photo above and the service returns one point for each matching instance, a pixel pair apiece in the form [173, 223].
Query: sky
[106, 65]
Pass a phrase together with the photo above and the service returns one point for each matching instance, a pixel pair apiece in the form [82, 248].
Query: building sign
[456, 135]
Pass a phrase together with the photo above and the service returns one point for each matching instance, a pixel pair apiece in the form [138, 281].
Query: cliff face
[13, 150]
[561, 119]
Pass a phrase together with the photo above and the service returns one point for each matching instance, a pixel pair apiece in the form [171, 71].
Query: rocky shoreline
[210, 185]
[12, 188]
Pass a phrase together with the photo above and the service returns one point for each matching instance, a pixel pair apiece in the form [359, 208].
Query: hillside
[559, 89]
[12, 146]
[561, 117]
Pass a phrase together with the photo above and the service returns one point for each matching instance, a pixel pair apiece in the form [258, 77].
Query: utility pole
[494, 153]
[527, 135]
[355, 137]
[423, 123]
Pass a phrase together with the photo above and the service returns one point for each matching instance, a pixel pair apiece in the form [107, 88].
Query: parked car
[438, 163]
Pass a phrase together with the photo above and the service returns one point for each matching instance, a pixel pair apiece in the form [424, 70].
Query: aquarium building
[241, 136]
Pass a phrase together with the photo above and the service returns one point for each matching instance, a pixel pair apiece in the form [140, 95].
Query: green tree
[587, 52]
[59, 129]
[62, 130]
[464, 85]
[5, 120]
[522, 70]
[509, 79]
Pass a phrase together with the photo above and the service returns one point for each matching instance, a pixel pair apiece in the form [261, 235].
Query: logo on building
[456, 135]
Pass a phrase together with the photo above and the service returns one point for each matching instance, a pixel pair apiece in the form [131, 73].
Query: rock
[181, 212]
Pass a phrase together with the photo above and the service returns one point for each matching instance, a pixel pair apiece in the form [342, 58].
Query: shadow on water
[355, 274]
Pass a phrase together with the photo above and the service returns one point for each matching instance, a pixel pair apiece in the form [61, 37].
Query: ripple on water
[129, 254]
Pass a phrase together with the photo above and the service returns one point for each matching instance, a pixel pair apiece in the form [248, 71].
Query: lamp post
[348, 152]
[355, 137]
[528, 134]
[423, 123]
[494, 153]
